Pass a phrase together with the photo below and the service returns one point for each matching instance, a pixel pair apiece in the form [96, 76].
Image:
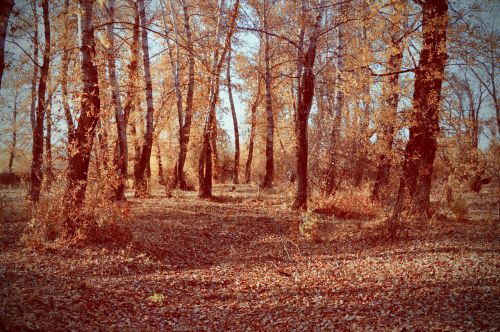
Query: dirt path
[230, 265]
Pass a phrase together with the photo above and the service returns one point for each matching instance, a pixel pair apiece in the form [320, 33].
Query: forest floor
[232, 264]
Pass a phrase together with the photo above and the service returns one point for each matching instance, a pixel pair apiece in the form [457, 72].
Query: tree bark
[122, 153]
[331, 178]
[141, 179]
[34, 78]
[5, 10]
[64, 81]
[84, 135]
[253, 125]
[305, 96]
[184, 137]
[48, 144]
[236, 167]
[37, 159]
[269, 174]
[12, 152]
[421, 147]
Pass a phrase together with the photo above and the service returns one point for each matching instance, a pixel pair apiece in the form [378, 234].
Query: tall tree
[186, 128]
[84, 135]
[205, 161]
[390, 93]
[37, 158]
[122, 151]
[236, 167]
[68, 31]
[143, 165]
[5, 10]
[421, 147]
[269, 171]
[330, 181]
[305, 96]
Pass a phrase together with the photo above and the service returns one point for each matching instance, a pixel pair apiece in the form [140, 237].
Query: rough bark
[269, 174]
[143, 165]
[305, 96]
[84, 135]
[5, 10]
[421, 147]
[37, 158]
[236, 167]
[122, 151]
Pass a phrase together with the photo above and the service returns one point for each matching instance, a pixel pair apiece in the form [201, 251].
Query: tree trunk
[141, 179]
[12, 152]
[5, 10]
[421, 147]
[84, 135]
[253, 125]
[236, 168]
[205, 160]
[122, 151]
[331, 178]
[189, 104]
[269, 175]
[48, 144]
[390, 103]
[161, 174]
[64, 80]
[37, 159]
[34, 78]
[305, 97]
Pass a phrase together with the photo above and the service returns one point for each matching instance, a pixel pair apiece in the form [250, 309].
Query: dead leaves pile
[231, 265]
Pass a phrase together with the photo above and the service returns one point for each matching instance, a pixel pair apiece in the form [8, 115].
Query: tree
[390, 94]
[269, 175]
[79, 159]
[5, 10]
[122, 150]
[143, 164]
[236, 167]
[305, 96]
[205, 161]
[37, 160]
[421, 147]
[253, 124]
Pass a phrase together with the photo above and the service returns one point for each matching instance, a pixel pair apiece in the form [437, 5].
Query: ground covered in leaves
[233, 264]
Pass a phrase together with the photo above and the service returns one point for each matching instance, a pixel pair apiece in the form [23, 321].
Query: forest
[249, 165]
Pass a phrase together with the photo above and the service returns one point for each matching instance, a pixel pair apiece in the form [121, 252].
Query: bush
[347, 205]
